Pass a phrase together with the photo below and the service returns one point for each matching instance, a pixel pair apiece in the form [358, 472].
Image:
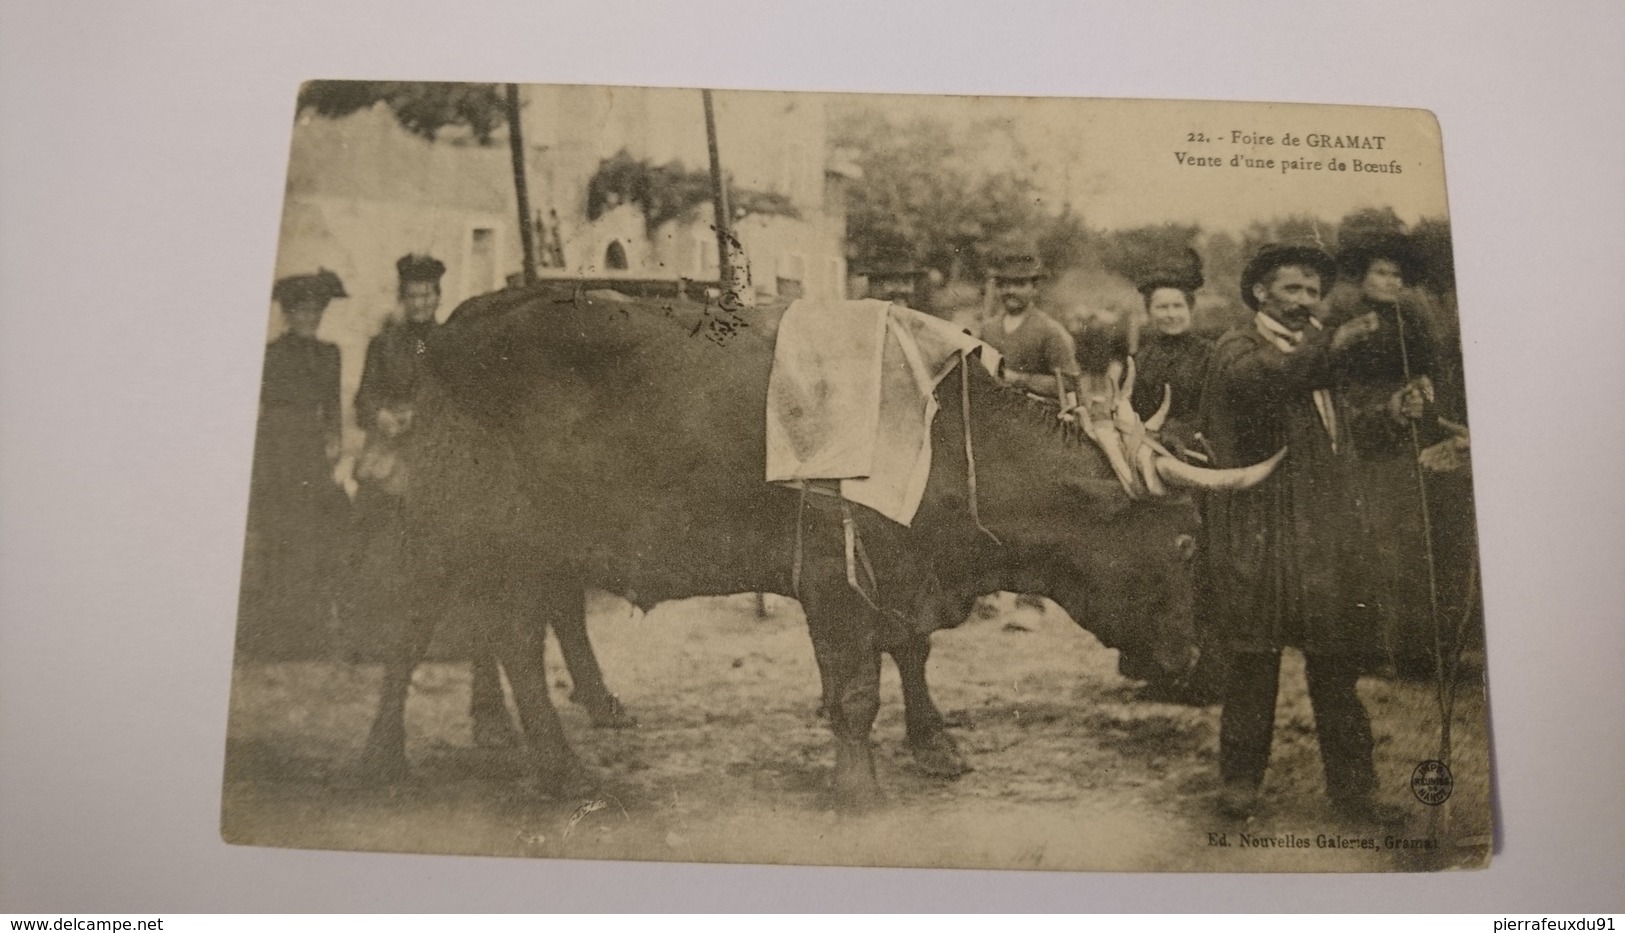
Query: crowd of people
[1342, 377]
[304, 531]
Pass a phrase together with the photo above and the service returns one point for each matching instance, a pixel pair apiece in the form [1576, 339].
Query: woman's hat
[1182, 270]
[415, 268]
[1359, 250]
[320, 285]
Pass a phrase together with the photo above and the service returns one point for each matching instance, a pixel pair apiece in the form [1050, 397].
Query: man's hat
[1182, 270]
[1273, 256]
[415, 268]
[1359, 250]
[893, 270]
[1016, 259]
[321, 285]
[891, 258]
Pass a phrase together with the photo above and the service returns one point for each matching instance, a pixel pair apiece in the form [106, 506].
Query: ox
[568, 444]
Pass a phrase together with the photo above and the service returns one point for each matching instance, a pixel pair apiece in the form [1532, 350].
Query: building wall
[362, 192]
[767, 142]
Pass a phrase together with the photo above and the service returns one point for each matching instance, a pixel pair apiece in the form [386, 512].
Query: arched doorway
[615, 255]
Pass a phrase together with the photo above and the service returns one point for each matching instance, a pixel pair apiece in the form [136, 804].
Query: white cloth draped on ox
[852, 396]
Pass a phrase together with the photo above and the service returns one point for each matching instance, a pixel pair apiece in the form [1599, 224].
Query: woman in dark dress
[1403, 353]
[296, 512]
[1171, 354]
[385, 410]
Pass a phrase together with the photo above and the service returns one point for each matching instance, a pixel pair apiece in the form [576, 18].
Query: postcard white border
[141, 164]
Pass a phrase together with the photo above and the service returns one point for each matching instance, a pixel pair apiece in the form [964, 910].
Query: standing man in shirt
[1039, 355]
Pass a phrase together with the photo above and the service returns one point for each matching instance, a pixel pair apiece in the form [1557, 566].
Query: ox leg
[844, 641]
[565, 609]
[385, 754]
[492, 726]
[519, 646]
[934, 751]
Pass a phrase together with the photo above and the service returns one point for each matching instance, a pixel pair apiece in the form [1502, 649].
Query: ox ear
[1103, 497]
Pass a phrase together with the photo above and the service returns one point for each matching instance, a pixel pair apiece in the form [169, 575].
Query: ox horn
[1111, 443]
[1146, 458]
[1129, 374]
[1179, 473]
[1154, 423]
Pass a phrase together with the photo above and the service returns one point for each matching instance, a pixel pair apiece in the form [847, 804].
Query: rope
[800, 548]
[849, 531]
[970, 450]
[856, 554]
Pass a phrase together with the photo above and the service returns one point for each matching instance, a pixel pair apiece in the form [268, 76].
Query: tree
[1432, 238]
[1369, 221]
[926, 190]
[1293, 228]
[421, 107]
[1138, 251]
[1225, 259]
[667, 192]
[1065, 242]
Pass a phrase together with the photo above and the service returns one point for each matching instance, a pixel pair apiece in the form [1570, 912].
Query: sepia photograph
[864, 480]
[525, 458]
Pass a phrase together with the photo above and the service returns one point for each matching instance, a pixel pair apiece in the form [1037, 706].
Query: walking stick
[1445, 670]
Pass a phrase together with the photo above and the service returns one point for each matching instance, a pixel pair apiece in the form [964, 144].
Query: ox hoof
[855, 787]
[383, 763]
[494, 733]
[606, 711]
[938, 756]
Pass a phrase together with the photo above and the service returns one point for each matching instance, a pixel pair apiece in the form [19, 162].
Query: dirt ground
[1074, 770]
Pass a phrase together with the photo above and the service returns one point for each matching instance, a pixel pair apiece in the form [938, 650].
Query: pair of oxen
[565, 444]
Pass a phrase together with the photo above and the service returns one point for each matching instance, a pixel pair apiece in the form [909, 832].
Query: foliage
[1065, 242]
[1369, 221]
[1136, 252]
[667, 192]
[421, 107]
[926, 192]
[1432, 238]
[1293, 228]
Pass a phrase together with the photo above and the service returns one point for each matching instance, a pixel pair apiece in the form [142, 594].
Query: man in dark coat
[1286, 557]
[295, 511]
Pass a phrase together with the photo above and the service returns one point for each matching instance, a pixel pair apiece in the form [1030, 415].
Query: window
[480, 273]
[792, 271]
[708, 268]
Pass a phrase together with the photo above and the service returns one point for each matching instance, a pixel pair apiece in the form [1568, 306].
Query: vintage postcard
[976, 482]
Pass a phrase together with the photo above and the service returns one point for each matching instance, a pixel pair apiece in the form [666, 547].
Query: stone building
[612, 176]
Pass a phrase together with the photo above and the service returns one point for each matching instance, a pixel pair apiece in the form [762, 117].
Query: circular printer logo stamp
[1431, 782]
